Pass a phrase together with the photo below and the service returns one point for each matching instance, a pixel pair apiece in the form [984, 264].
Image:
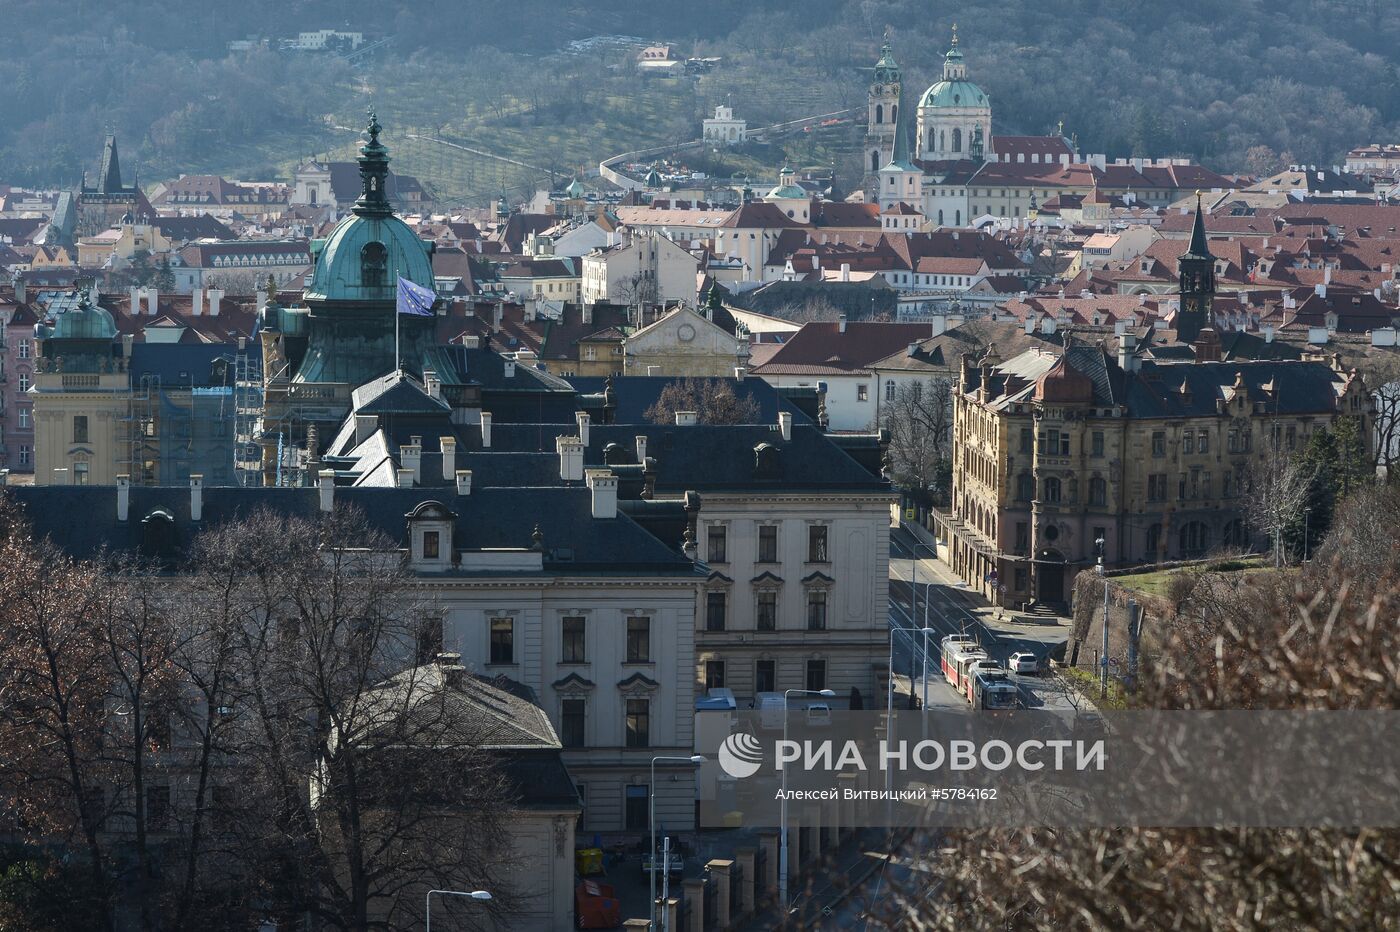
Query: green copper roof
[575, 189]
[954, 94]
[886, 70]
[786, 191]
[87, 321]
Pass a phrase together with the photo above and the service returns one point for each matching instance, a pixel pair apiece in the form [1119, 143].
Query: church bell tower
[882, 115]
[1196, 269]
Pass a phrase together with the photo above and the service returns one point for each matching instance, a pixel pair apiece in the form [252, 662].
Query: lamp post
[926, 632]
[1103, 685]
[651, 817]
[428, 903]
[783, 840]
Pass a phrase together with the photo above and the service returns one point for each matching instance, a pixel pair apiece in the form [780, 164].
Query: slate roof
[183, 365]
[820, 348]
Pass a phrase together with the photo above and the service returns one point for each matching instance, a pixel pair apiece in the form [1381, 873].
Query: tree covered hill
[1306, 78]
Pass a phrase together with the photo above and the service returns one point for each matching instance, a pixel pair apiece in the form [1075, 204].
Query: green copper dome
[371, 249]
[954, 94]
[87, 321]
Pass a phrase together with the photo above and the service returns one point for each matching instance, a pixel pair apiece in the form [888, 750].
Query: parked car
[1023, 662]
[819, 713]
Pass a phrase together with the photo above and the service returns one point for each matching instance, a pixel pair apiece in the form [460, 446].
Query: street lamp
[926, 632]
[696, 759]
[1103, 687]
[783, 841]
[428, 903]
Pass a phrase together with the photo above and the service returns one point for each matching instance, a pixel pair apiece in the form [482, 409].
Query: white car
[819, 713]
[1023, 662]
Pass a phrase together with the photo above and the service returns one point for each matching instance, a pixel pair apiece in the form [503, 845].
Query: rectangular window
[638, 640]
[767, 610]
[502, 640]
[573, 646]
[716, 543]
[80, 428]
[430, 544]
[765, 676]
[638, 723]
[23, 418]
[1027, 440]
[714, 674]
[428, 639]
[23, 349]
[768, 543]
[889, 390]
[816, 675]
[1022, 579]
[573, 713]
[80, 473]
[1096, 443]
[816, 544]
[1232, 441]
[715, 604]
[157, 808]
[1181, 487]
[1157, 487]
[1159, 443]
[816, 610]
[1203, 441]
[1225, 490]
[862, 393]
[1188, 442]
[23, 382]
[1023, 537]
[1205, 484]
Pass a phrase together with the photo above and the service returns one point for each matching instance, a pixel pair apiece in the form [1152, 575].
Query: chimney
[448, 446]
[327, 481]
[603, 484]
[570, 450]
[1127, 357]
[686, 418]
[432, 383]
[196, 496]
[785, 425]
[510, 368]
[365, 426]
[128, 341]
[216, 297]
[845, 271]
[1320, 289]
[123, 496]
[641, 448]
[197, 302]
[152, 300]
[583, 421]
[1269, 333]
[134, 297]
[486, 430]
[1030, 323]
[464, 481]
[740, 371]
[939, 325]
[841, 324]
[585, 311]
[262, 300]
[411, 460]
[1317, 336]
[405, 478]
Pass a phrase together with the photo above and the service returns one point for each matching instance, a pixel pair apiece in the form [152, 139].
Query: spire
[899, 159]
[886, 69]
[1199, 245]
[374, 173]
[109, 181]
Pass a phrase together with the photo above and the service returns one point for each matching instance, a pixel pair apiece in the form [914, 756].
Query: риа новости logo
[741, 755]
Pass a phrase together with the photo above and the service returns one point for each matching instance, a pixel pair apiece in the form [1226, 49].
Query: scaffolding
[248, 412]
[140, 446]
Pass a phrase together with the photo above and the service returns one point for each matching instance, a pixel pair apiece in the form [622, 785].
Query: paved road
[940, 600]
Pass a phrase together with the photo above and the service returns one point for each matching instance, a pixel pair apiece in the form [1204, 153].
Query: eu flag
[415, 300]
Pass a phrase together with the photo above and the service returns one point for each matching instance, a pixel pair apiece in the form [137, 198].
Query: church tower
[882, 115]
[1196, 268]
[899, 179]
[952, 114]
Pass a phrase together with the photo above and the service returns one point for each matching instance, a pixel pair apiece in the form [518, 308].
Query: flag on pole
[415, 300]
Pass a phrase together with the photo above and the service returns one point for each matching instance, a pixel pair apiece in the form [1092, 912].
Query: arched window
[942, 140]
[1098, 491]
[875, 160]
[1236, 535]
[1025, 487]
[894, 113]
[1193, 539]
[879, 113]
[1051, 488]
[1154, 541]
[374, 261]
[940, 218]
[957, 140]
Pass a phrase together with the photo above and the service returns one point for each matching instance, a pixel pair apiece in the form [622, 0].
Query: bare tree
[920, 422]
[714, 401]
[1276, 489]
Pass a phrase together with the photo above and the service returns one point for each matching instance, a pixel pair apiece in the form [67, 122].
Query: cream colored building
[648, 269]
[684, 342]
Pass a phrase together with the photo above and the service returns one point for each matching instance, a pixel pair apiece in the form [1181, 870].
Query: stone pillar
[748, 883]
[637, 925]
[673, 913]
[768, 883]
[695, 896]
[719, 876]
